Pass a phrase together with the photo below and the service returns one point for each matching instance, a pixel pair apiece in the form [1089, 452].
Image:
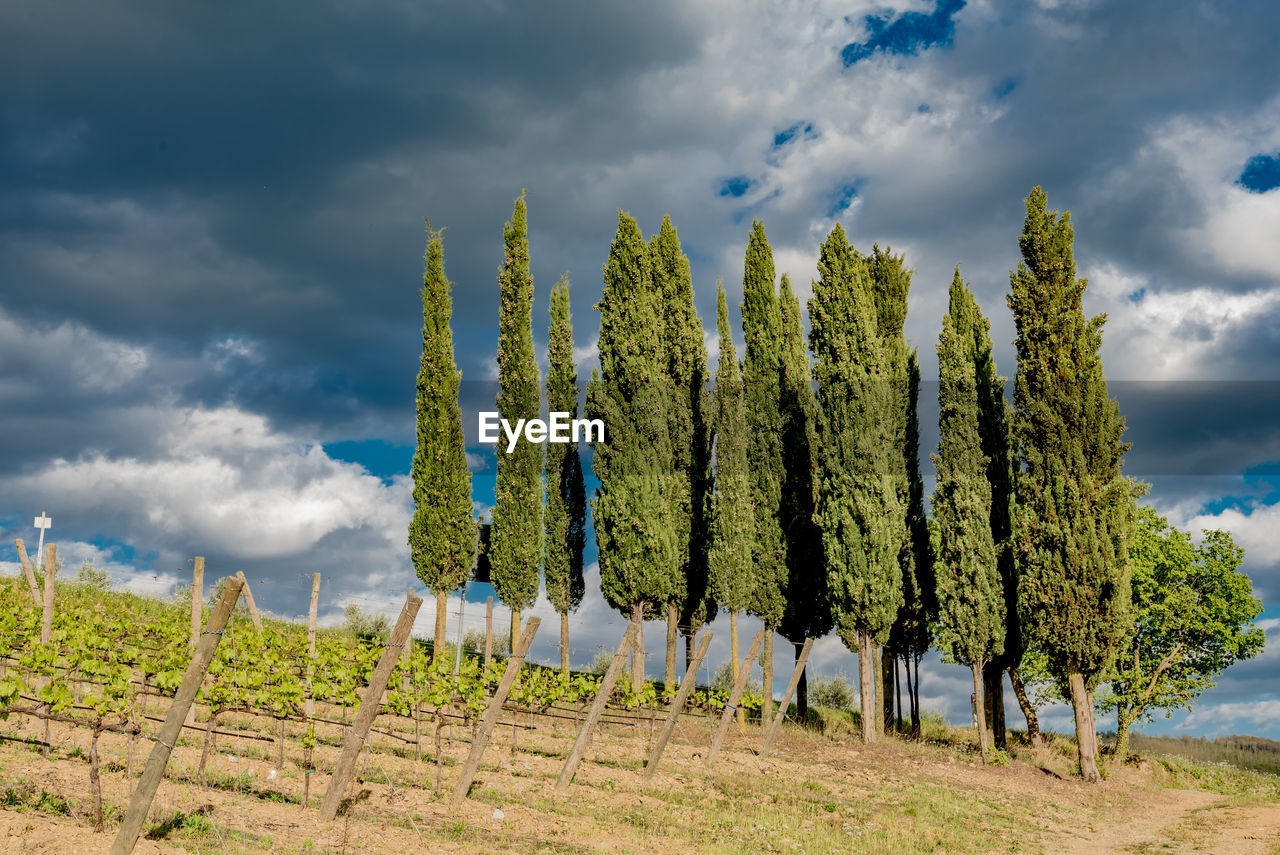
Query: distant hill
[1245, 752]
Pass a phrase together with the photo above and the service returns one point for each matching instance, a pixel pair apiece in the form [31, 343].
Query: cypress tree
[1073, 513]
[890, 281]
[515, 547]
[762, 378]
[973, 328]
[859, 510]
[442, 532]
[686, 364]
[808, 611]
[732, 518]
[911, 635]
[566, 497]
[632, 513]
[971, 622]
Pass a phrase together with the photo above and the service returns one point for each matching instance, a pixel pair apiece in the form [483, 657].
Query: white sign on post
[42, 522]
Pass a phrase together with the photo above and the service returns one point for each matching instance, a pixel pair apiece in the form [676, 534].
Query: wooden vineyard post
[368, 710]
[597, 706]
[488, 632]
[32, 585]
[686, 686]
[776, 724]
[248, 599]
[406, 654]
[50, 567]
[311, 641]
[736, 696]
[197, 598]
[491, 713]
[145, 792]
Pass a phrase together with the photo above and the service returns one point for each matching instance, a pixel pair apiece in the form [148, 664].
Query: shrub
[833, 692]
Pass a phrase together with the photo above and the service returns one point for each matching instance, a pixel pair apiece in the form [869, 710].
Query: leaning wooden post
[368, 710]
[597, 706]
[686, 686]
[736, 695]
[145, 792]
[197, 598]
[776, 724]
[248, 599]
[488, 632]
[32, 585]
[492, 712]
[50, 567]
[311, 642]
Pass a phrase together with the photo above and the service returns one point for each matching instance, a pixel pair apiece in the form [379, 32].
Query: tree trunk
[637, 652]
[885, 688]
[1028, 711]
[688, 634]
[1086, 736]
[913, 687]
[993, 685]
[733, 656]
[673, 643]
[866, 687]
[515, 628]
[564, 643]
[766, 707]
[897, 691]
[1123, 723]
[802, 691]
[209, 727]
[437, 646]
[979, 715]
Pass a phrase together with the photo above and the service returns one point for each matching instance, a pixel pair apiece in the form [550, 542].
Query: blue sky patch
[378, 456]
[1004, 88]
[842, 199]
[783, 137]
[735, 186]
[1261, 173]
[906, 34]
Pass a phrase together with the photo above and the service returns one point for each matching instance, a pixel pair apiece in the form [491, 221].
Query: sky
[211, 242]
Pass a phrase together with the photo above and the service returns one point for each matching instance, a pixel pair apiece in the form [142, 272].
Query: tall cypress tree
[566, 497]
[859, 512]
[442, 532]
[638, 538]
[911, 635]
[971, 622]
[515, 546]
[686, 364]
[762, 389]
[973, 328]
[1073, 516]
[732, 518]
[808, 611]
[890, 282]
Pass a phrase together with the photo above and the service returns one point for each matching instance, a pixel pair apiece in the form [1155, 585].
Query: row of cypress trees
[793, 492]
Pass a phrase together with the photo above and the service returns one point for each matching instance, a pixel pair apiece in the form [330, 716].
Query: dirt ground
[816, 793]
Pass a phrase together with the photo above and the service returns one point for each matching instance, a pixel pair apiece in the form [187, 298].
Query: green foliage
[442, 533]
[762, 373]
[807, 610]
[1074, 510]
[834, 692]
[688, 425]
[636, 530]
[971, 621]
[361, 624]
[859, 511]
[911, 635]
[565, 515]
[732, 522]
[94, 578]
[515, 544]
[1193, 617]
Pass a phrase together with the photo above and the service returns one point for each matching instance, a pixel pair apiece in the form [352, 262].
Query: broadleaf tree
[1194, 614]
[565, 514]
[442, 531]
